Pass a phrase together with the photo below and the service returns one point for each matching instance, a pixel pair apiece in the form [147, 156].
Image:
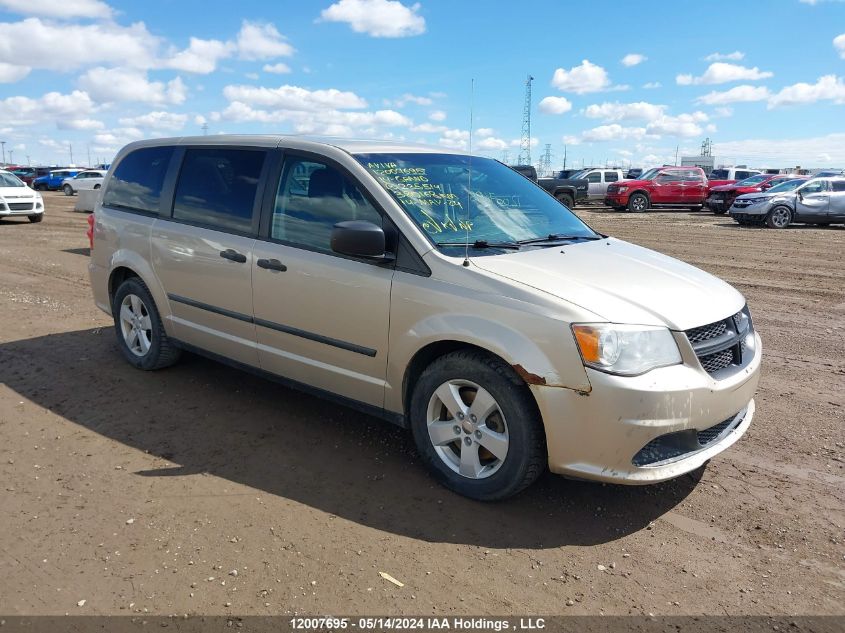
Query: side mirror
[360, 239]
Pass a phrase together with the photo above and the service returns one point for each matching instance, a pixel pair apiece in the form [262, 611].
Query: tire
[96, 187]
[68, 190]
[696, 208]
[638, 203]
[40, 187]
[779, 218]
[37, 217]
[510, 425]
[149, 347]
[566, 200]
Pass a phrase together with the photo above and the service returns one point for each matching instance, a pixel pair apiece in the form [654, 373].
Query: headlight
[626, 350]
[622, 189]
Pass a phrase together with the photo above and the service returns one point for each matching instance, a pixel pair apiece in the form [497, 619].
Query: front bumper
[750, 212]
[23, 207]
[616, 200]
[601, 434]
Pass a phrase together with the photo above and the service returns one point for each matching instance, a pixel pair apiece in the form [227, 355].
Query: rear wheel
[476, 426]
[697, 207]
[40, 187]
[779, 218]
[566, 200]
[68, 190]
[37, 217]
[140, 332]
[638, 203]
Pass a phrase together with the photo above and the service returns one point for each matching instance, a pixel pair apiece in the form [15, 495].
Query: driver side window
[312, 197]
[814, 187]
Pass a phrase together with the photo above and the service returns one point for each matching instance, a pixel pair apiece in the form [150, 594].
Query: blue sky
[765, 80]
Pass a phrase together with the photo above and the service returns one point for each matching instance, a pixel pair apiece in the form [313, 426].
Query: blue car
[53, 181]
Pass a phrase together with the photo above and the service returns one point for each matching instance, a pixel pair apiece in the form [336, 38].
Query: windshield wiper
[559, 237]
[482, 244]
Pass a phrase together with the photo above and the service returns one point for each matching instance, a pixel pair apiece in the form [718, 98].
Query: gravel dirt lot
[200, 489]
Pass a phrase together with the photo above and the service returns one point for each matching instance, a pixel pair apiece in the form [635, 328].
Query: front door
[812, 201]
[321, 319]
[668, 188]
[204, 254]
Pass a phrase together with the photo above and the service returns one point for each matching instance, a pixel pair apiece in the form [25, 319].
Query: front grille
[674, 446]
[714, 362]
[20, 206]
[612, 188]
[721, 344]
[705, 332]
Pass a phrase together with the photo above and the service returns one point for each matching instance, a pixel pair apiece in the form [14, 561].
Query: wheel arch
[125, 264]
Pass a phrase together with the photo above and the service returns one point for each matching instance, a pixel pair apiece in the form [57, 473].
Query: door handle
[271, 264]
[233, 255]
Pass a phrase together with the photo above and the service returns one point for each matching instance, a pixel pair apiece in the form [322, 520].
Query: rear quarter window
[136, 182]
[838, 185]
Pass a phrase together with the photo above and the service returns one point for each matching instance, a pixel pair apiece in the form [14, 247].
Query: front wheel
[779, 218]
[140, 332]
[566, 200]
[68, 190]
[37, 217]
[638, 203]
[477, 427]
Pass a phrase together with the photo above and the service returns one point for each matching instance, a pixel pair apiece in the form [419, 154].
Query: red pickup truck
[720, 199]
[675, 186]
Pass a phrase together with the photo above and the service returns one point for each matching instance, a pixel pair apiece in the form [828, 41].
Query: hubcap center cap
[466, 425]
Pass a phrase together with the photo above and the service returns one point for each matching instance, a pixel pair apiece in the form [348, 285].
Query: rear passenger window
[136, 182]
[217, 188]
[611, 176]
[312, 198]
[838, 185]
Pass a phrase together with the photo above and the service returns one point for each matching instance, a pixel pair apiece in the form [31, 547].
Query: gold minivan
[441, 291]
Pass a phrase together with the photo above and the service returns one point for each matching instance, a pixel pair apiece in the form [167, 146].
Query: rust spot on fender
[528, 377]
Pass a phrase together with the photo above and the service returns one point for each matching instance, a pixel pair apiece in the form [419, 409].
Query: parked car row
[819, 201]
[720, 198]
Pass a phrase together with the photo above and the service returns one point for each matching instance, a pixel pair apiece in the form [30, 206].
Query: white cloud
[278, 69]
[682, 125]
[437, 115]
[651, 85]
[64, 47]
[555, 105]
[157, 120]
[53, 106]
[721, 72]
[587, 77]
[429, 128]
[80, 124]
[612, 132]
[820, 151]
[407, 98]
[724, 112]
[378, 18]
[201, 56]
[491, 144]
[10, 73]
[108, 85]
[827, 88]
[258, 41]
[736, 56]
[294, 98]
[59, 9]
[738, 94]
[839, 44]
[632, 59]
[624, 111]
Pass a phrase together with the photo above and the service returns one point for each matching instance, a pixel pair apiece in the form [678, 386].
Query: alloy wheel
[135, 325]
[467, 428]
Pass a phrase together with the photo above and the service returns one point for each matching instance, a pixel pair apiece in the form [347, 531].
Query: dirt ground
[200, 489]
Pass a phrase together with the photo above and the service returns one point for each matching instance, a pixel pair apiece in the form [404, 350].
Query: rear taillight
[90, 231]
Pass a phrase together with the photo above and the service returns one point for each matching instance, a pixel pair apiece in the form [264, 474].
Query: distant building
[705, 162]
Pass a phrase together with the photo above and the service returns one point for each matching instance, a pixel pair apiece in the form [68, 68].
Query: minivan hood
[621, 283]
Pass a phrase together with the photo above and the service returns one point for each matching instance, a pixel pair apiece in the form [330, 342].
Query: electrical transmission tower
[706, 147]
[545, 165]
[525, 142]
[506, 157]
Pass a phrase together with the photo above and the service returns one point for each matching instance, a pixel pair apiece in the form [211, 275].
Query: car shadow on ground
[204, 417]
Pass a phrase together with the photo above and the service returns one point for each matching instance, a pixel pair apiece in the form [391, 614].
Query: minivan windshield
[8, 179]
[457, 199]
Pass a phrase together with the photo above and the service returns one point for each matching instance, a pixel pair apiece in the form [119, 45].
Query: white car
[18, 199]
[89, 179]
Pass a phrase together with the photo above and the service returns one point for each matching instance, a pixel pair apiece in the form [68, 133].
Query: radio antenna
[469, 173]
